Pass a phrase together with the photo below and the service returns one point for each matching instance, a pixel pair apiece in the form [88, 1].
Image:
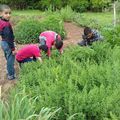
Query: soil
[74, 34]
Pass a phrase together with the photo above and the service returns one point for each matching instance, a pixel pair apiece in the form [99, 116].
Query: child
[51, 38]
[90, 36]
[30, 53]
[7, 40]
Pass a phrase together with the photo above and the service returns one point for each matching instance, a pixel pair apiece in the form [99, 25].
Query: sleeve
[8, 35]
[96, 37]
[42, 40]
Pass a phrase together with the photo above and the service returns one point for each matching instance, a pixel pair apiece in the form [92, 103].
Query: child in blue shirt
[90, 36]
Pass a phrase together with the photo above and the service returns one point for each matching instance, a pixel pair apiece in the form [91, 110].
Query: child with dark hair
[30, 53]
[58, 44]
[7, 40]
[50, 38]
[90, 36]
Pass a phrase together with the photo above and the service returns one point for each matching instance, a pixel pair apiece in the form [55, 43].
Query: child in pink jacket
[51, 38]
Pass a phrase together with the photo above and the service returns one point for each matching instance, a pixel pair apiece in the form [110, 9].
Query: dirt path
[73, 36]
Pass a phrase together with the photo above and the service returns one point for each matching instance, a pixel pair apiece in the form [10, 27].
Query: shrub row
[77, 5]
[27, 31]
[84, 82]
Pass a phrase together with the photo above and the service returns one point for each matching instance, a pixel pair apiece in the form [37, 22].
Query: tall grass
[21, 107]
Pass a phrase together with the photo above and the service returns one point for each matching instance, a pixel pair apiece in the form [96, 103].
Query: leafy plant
[20, 107]
[79, 5]
[83, 82]
[67, 13]
[28, 31]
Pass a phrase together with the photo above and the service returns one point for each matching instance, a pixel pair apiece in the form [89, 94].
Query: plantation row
[82, 84]
[28, 29]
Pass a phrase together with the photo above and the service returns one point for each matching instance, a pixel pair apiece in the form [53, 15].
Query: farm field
[81, 84]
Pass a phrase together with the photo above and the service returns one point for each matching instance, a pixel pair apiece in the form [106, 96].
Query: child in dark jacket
[90, 36]
[7, 40]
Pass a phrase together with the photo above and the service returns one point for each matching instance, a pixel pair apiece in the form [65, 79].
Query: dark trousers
[27, 60]
[10, 58]
[84, 43]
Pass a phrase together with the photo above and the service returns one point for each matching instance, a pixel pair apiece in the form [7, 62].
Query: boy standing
[50, 38]
[90, 36]
[7, 40]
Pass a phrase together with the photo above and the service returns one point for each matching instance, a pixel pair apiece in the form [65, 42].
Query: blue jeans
[10, 58]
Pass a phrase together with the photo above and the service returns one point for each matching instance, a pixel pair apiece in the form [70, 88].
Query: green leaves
[28, 31]
[84, 82]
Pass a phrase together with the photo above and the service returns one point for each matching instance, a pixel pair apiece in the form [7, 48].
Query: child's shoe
[11, 77]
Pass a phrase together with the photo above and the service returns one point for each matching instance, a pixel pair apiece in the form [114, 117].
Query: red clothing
[6, 32]
[27, 52]
[50, 39]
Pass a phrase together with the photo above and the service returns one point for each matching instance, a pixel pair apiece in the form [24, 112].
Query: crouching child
[30, 53]
[90, 36]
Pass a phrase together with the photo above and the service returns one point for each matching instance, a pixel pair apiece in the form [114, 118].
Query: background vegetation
[77, 5]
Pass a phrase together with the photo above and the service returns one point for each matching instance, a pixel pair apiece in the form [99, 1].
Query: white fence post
[114, 9]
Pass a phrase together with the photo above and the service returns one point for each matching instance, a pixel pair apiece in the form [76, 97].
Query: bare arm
[39, 58]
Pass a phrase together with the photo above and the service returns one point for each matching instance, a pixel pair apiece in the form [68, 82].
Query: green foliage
[20, 107]
[67, 13]
[99, 5]
[112, 35]
[79, 5]
[93, 20]
[54, 4]
[54, 23]
[84, 82]
[27, 31]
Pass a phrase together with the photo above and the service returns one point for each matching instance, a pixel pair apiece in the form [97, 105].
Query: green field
[82, 84]
[97, 18]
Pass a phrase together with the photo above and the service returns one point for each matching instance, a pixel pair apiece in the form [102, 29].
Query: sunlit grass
[26, 13]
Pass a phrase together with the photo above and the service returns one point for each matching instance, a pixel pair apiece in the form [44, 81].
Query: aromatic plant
[83, 82]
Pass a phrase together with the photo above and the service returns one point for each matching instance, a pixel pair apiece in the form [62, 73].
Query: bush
[28, 31]
[54, 4]
[54, 23]
[67, 13]
[21, 107]
[98, 5]
[79, 5]
[112, 35]
[84, 82]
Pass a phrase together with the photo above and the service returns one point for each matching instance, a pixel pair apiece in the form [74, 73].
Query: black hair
[58, 44]
[87, 30]
[3, 7]
[44, 48]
